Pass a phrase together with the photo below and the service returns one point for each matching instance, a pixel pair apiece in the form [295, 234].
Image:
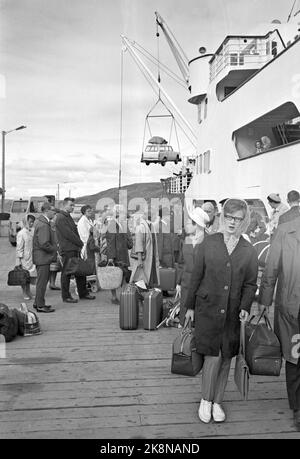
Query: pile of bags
[15, 322]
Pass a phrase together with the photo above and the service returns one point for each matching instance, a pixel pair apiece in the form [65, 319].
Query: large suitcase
[152, 312]
[167, 278]
[129, 308]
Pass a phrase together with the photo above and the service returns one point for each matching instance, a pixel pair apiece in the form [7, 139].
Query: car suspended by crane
[162, 151]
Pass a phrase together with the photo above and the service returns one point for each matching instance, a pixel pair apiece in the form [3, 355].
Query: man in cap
[213, 224]
[293, 199]
[278, 208]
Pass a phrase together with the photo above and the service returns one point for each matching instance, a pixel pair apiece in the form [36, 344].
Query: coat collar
[43, 219]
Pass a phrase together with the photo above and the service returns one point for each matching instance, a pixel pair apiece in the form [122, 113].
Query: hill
[135, 190]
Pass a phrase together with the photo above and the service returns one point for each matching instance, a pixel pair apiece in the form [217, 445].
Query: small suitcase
[167, 279]
[153, 302]
[129, 308]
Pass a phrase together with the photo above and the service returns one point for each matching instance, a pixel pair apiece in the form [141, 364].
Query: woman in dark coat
[283, 265]
[222, 289]
[119, 241]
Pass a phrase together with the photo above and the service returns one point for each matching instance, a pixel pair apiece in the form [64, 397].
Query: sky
[60, 75]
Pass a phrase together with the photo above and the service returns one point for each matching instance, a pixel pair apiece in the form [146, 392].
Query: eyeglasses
[232, 218]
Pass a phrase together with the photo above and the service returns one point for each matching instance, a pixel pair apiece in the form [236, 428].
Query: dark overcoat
[283, 264]
[44, 246]
[221, 286]
[67, 233]
[118, 243]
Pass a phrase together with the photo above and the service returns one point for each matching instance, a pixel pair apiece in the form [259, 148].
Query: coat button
[226, 287]
[222, 311]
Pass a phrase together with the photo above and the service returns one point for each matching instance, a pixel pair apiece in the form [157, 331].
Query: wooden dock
[86, 378]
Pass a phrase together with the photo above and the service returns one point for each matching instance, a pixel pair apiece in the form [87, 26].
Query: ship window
[228, 90]
[199, 113]
[206, 161]
[234, 59]
[205, 108]
[275, 129]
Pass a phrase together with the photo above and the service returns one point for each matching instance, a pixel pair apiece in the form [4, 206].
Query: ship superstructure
[247, 96]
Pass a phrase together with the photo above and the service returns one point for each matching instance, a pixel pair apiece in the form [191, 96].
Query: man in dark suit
[70, 245]
[44, 252]
[293, 199]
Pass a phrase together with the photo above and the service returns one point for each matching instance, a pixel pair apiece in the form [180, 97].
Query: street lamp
[4, 133]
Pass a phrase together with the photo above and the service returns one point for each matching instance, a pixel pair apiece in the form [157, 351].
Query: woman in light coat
[85, 223]
[24, 252]
[221, 292]
[283, 267]
[145, 268]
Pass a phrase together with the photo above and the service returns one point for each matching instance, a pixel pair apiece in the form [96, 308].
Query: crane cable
[163, 67]
[121, 117]
[291, 11]
[158, 63]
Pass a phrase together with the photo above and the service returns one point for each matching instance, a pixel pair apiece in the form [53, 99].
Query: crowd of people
[217, 271]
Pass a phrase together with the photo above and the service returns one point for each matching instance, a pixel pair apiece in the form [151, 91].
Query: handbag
[262, 349]
[185, 359]
[134, 255]
[241, 371]
[110, 277]
[18, 276]
[78, 267]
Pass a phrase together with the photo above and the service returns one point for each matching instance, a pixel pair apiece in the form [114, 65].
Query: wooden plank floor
[86, 378]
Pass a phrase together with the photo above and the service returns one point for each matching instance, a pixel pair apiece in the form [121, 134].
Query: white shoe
[218, 413]
[204, 411]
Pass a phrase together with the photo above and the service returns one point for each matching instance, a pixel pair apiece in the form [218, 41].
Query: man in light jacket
[44, 252]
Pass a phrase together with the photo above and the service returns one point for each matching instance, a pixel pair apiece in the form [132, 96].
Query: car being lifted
[158, 151]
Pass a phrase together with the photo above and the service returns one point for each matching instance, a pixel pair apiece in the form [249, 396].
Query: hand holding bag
[262, 350]
[241, 371]
[185, 359]
[110, 277]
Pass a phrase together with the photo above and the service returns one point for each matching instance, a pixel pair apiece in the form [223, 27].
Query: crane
[181, 120]
[180, 56]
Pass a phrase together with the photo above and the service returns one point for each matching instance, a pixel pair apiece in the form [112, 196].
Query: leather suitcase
[167, 278]
[129, 308]
[152, 312]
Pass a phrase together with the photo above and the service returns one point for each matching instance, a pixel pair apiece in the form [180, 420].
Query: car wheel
[147, 163]
[176, 160]
[163, 163]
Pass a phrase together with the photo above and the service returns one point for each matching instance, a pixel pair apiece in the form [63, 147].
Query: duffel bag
[262, 348]
[18, 276]
[185, 359]
[110, 277]
[8, 323]
[78, 267]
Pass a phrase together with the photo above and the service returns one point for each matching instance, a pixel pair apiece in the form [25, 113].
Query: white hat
[199, 216]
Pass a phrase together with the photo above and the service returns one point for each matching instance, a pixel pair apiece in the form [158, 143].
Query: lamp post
[4, 133]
